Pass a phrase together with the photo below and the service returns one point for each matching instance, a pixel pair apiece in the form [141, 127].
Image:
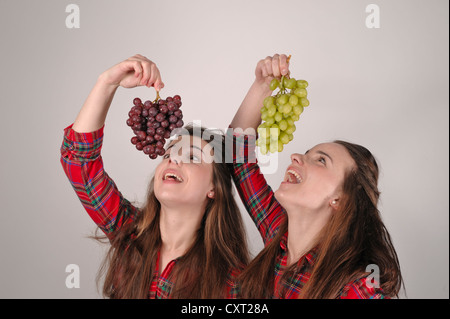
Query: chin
[280, 196]
[285, 198]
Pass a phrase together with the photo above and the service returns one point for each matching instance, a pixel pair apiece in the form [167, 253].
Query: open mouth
[292, 177]
[172, 177]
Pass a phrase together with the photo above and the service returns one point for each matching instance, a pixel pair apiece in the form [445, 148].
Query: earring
[211, 194]
[333, 202]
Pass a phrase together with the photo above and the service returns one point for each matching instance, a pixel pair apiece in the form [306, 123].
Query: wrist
[104, 83]
[261, 88]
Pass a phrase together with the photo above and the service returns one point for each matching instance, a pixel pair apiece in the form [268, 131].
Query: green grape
[287, 108]
[293, 100]
[284, 138]
[262, 141]
[273, 147]
[304, 102]
[271, 110]
[268, 101]
[290, 129]
[290, 83]
[263, 149]
[300, 92]
[270, 120]
[282, 99]
[302, 84]
[280, 147]
[283, 125]
[290, 121]
[263, 132]
[278, 117]
[298, 109]
[295, 117]
[274, 84]
[291, 137]
[285, 82]
[259, 142]
[264, 115]
[274, 131]
[263, 109]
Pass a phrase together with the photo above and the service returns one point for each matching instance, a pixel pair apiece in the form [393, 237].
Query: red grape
[160, 117]
[152, 111]
[173, 119]
[137, 101]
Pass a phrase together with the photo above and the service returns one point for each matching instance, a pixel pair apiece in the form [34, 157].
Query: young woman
[188, 240]
[322, 230]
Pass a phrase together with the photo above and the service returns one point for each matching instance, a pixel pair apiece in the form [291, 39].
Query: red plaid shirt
[83, 165]
[267, 214]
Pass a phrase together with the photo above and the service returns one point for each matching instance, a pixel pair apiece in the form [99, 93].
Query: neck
[178, 228]
[303, 231]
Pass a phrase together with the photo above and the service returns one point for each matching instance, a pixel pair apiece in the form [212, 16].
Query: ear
[334, 203]
[210, 194]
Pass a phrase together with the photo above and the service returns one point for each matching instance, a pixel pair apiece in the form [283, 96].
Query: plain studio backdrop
[384, 87]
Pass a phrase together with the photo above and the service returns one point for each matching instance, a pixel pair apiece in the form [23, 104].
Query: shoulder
[362, 288]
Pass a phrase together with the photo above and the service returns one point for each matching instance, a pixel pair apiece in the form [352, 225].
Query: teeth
[291, 173]
[174, 176]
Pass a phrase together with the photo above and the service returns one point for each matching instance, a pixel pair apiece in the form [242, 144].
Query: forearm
[99, 195]
[248, 114]
[93, 113]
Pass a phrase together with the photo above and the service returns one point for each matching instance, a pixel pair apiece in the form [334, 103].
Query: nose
[175, 160]
[297, 158]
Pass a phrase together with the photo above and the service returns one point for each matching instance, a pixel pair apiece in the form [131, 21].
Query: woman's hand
[270, 68]
[133, 72]
[248, 114]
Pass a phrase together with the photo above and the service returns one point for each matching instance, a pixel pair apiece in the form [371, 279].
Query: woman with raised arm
[188, 240]
[323, 233]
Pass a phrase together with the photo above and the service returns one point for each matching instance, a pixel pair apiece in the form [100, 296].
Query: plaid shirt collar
[308, 259]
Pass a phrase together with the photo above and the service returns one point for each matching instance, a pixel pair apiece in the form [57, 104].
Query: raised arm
[81, 148]
[248, 114]
[256, 195]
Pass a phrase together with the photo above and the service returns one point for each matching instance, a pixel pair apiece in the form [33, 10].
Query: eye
[322, 160]
[194, 158]
[166, 156]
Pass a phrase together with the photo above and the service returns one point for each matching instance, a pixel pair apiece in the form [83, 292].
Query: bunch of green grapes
[279, 113]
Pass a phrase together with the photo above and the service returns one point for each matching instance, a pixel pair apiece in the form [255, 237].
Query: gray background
[384, 88]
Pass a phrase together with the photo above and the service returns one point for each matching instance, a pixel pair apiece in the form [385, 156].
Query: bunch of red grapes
[153, 122]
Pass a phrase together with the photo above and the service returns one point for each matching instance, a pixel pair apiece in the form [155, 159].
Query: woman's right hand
[133, 72]
[271, 67]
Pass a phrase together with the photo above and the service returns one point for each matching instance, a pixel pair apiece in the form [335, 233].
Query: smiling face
[313, 181]
[184, 176]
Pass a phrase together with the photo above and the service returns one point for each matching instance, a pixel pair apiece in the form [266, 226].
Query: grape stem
[157, 97]
[282, 88]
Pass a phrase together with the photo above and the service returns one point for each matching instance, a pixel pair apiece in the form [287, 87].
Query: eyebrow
[322, 153]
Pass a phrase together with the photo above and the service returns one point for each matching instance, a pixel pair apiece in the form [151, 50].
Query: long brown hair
[353, 238]
[220, 245]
